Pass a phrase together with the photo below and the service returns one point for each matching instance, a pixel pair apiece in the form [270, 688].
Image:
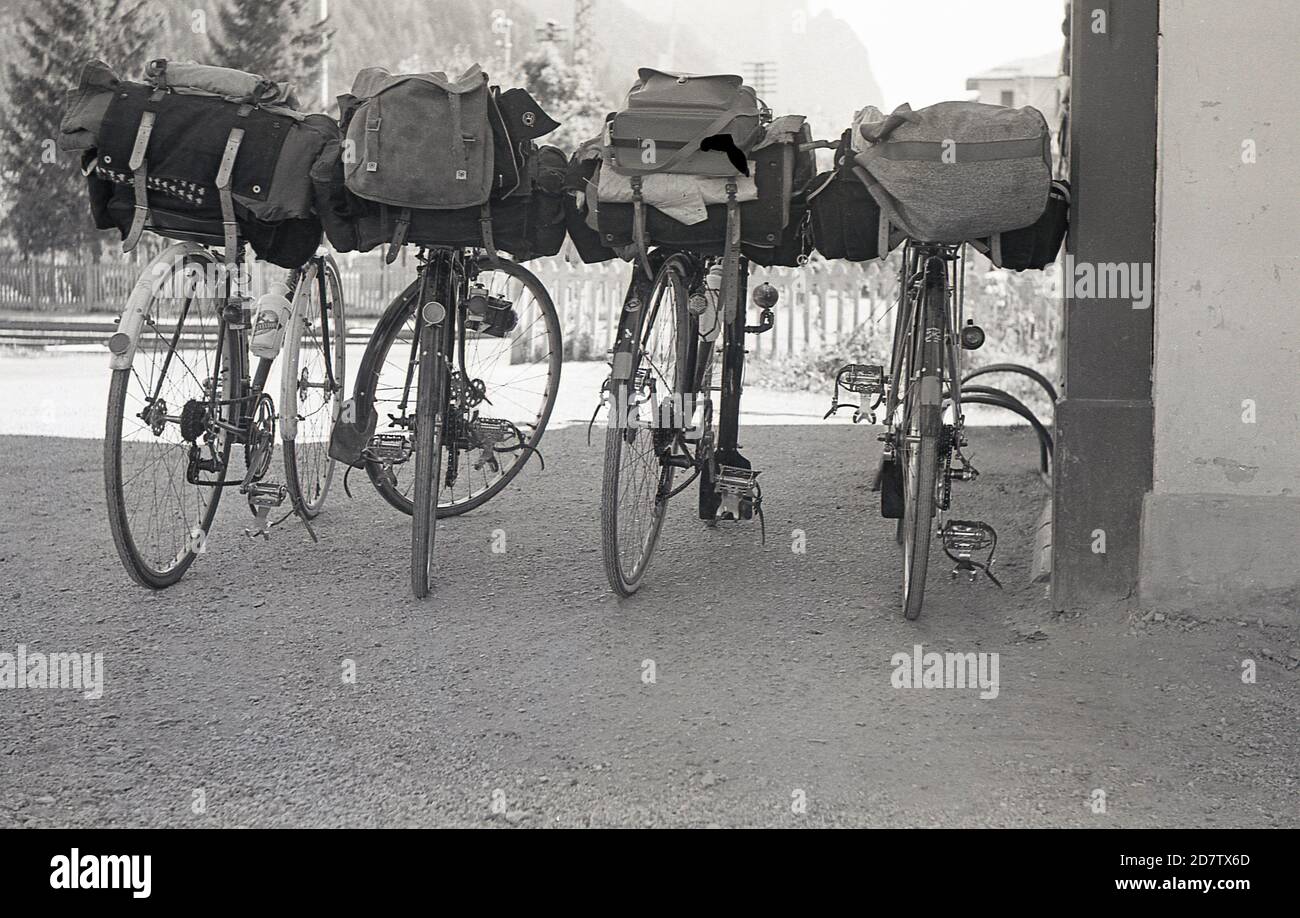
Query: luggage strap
[140, 181]
[638, 226]
[399, 235]
[229, 227]
[485, 227]
[373, 121]
[691, 147]
[731, 258]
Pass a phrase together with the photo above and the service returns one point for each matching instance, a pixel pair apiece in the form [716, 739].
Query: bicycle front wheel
[312, 378]
[920, 448]
[639, 439]
[165, 453]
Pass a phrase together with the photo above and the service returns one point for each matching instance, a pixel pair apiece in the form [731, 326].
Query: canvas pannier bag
[420, 140]
[476, 178]
[668, 115]
[958, 171]
[771, 216]
[1034, 247]
[195, 162]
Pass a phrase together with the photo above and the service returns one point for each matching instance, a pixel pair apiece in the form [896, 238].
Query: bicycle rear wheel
[519, 373]
[920, 446]
[314, 370]
[639, 438]
[161, 416]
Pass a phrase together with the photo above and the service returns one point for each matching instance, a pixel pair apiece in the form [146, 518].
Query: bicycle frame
[918, 259]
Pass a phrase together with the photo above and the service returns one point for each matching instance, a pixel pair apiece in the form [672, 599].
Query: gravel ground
[520, 682]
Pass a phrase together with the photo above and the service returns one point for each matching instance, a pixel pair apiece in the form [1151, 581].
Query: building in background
[1031, 81]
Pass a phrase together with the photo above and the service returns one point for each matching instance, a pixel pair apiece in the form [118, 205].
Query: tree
[44, 195]
[565, 92]
[277, 39]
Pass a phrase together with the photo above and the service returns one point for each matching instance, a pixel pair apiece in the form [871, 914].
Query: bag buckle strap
[457, 128]
[638, 227]
[373, 122]
[731, 257]
[485, 227]
[400, 230]
[224, 174]
[139, 181]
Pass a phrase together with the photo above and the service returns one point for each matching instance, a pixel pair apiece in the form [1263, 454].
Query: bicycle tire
[306, 459]
[430, 411]
[921, 458]
[625, 581]
[141, 569]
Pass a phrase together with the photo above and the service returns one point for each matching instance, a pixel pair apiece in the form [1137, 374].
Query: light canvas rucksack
[957, 171]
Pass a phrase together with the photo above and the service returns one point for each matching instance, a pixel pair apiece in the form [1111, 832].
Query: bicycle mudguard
[891, 490]
[122, 344]
[351, 434]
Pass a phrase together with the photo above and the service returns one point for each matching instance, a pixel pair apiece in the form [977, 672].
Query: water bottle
[270, 319]
[710, 319]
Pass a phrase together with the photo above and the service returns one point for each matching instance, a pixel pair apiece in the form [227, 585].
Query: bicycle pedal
[740, 492]
[962, 539]
[965, 537]
[390, 448]
[262, 499]
[862, 378]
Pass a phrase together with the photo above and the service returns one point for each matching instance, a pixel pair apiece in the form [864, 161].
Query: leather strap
[139, 166]
[229, 226]
[400, 230]
[373, 122]
[731, 258]
[485, 228]
[638, 226]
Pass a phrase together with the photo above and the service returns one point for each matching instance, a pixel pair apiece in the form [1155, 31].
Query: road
[517, 695]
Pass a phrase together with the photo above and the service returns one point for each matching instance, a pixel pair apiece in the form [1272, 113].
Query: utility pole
[324, 58]
[762, 76]
[549, 32]
[503, 25]
[583, 11]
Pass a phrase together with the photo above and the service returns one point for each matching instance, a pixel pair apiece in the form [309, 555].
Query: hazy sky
[923, 50]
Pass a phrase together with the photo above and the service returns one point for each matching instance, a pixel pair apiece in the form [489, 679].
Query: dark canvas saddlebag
[433, 161]
[523, 225]
[190, 164]
[845, 218]
[1034, 247]
[666, 117]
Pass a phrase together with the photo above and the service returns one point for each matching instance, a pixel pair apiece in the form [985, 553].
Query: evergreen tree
[277, 39]
[567, 93]
[45, 208]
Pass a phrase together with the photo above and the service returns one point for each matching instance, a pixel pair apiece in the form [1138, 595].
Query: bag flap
[85, 106]
[661, 89]
[373, 80]
[524, 118]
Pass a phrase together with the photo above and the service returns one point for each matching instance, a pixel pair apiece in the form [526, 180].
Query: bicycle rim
[636, 480]
[160, 521]
[310, 386]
